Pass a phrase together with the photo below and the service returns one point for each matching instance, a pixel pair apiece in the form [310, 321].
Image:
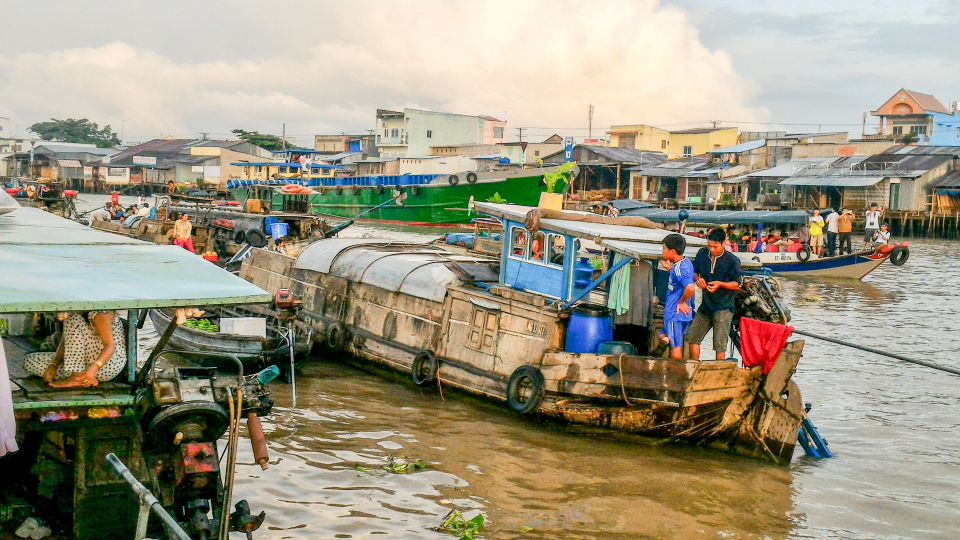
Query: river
[894, 429]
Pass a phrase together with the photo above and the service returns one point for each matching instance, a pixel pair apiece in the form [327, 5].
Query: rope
[623, 387]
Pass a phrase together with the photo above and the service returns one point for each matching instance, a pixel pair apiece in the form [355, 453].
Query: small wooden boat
[498, 328]
[255, 352]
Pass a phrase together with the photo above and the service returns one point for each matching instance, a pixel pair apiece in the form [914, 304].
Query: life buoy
[338, 337]
[425, 368]
[804, 254]
[899, 255]
[240, 237]
[525, 389]
[471, 178]
[453, 179]
[256, 238]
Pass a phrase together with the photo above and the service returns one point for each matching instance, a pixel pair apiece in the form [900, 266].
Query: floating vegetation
[399, 465]
[463, 528]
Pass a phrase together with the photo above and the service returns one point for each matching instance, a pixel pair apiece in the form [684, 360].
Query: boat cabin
[60, 472]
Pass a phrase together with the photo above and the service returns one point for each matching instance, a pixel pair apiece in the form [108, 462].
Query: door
[894, 196]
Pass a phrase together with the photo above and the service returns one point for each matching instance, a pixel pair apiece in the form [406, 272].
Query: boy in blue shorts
[681, 288]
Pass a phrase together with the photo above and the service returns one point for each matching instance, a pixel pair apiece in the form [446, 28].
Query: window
[116, 171]
[536, 153]
[538, 247]
[394, 133]
[898, 130]
[918, 130]
[518, 242]
[498, 133]
[429, 134]
[687, 151]
[663, 144]
[386, 132]
[485, 324]
[555, 249]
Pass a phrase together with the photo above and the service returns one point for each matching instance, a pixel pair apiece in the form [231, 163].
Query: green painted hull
[438, 204]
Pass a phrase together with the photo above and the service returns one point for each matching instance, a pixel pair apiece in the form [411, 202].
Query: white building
[414, 132]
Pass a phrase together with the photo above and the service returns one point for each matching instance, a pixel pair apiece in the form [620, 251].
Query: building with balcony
[413, 132]
[919, 116]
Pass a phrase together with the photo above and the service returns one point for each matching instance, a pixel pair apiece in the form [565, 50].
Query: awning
[725, 217]
[52, 264]
[832, 181]
[69, 163]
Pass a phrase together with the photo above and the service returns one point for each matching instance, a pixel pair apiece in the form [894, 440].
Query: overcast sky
[179, 68]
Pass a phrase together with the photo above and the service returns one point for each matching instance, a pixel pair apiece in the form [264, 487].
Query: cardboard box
[244, 326]
[551, 201]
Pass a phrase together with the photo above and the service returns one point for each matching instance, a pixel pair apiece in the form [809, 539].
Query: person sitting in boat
[795, 246]
[280, 246]
[556, 253]
[92, 350]
[144, 210]
[537, 248]
[102, 214]
[182, 233]
[718, 274]
[171, 188]
[520, 243]
[751, 244]
[882, 237]
[678, 309]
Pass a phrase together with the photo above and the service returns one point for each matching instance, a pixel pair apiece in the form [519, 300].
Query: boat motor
[184, 412]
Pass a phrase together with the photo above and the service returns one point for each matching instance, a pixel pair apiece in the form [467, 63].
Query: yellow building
[698, 141]
[676, 144]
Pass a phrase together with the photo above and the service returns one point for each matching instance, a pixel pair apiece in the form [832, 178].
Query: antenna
[590, 121]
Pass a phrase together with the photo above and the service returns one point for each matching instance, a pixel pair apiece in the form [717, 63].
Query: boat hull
[850, 266]
[431, 204]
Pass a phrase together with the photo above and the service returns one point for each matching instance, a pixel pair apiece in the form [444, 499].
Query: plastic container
[268, 223]
[582, 274]
[590, 325]
[244, 326]
[279, 230]
[617, 348]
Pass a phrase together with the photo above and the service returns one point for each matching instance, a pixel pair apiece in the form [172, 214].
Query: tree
[909, 138]
[76, 131]
[263, 140]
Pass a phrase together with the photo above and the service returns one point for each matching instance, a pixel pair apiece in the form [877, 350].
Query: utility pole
[715, 123]
[520, 133]
[283, 138]
[863, 126]
[590, 121]
[203, 135]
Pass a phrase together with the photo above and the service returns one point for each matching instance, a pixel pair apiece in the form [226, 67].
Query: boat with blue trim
[531, 328]
[797, 263]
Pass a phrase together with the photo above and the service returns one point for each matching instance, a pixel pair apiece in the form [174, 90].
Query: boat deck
[31, 395]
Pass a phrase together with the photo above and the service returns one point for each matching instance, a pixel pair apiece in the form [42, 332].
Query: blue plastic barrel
[268, 223]
[279, 230]
[590, 325]
[582, 274]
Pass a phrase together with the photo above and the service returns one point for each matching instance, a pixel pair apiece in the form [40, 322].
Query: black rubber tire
[525, 378]
[425, 369]
[804, 254]
[453, 180]
[899, 255]
[380, 189]
[256, 238]
[239, 238]
[471, 178]
[339, 190]
[338, 337]
[414, 190]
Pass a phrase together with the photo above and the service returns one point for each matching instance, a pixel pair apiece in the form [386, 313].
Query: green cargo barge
[431, 199]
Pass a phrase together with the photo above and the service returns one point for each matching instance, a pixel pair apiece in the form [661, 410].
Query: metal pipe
[881, 353]
[146, 498]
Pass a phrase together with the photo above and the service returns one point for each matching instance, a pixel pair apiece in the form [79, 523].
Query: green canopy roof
[48, 263]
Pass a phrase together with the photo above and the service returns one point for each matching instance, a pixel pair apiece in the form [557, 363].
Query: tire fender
[471, 178]
[256, 238]
[240, 237]
[338, 337]
[525, 389]
[453, 179]
[425, 368]
[899, 255]
[804, 254]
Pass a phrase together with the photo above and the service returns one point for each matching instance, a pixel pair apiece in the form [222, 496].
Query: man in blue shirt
[719, 275]
[678, 309]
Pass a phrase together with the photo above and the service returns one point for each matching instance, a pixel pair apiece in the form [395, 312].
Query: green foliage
[73, 130]
[557, 182]
[464, 529]
[909, 138]
[263, 140]
[497, 199]
[398, 465]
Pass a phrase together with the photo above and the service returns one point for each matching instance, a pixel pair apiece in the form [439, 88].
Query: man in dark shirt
[718, 274]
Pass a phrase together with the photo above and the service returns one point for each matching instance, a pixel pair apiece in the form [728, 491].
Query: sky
[178, 68]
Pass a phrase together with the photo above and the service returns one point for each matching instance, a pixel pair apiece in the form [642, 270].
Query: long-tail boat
[498, 328]
[139, 454]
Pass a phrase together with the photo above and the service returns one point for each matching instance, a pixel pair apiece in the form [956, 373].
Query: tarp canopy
[645, 250]
[48, 263]
[724, 217]
[832, 181]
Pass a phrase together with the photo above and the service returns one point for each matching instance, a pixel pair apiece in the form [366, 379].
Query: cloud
[537, 63]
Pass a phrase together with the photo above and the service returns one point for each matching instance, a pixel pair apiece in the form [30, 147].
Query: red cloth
[761, 342]
[186, 244]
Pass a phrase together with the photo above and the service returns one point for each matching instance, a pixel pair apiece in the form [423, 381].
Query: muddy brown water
[894, 428]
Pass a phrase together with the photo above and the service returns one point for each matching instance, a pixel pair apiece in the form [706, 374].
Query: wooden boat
[496, 328]
[802, 263]
[92, 450]
[255, 352]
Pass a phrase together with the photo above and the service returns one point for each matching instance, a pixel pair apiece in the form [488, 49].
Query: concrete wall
[702, 143]
[858, 148]
[647, 138]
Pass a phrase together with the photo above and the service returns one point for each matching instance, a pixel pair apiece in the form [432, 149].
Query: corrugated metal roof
[793, 167]
[703, 173]
[949, 180]
[622, 155]
[832, 181]
[742, 147]
[724, 217]
[53, 264]
[698, 131]
[671, 168]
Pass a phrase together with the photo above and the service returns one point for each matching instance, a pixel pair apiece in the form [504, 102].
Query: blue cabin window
[538, 248]
[555, 250]
[518, 242]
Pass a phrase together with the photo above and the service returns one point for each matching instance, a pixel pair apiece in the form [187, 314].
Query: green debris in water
[399, 465]
[361, 468]
[526, 529]
[203, 325]
[497, 199]
[463, 528]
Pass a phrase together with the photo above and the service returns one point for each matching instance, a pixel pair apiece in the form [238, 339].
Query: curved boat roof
[419, 270]
[724, 217]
